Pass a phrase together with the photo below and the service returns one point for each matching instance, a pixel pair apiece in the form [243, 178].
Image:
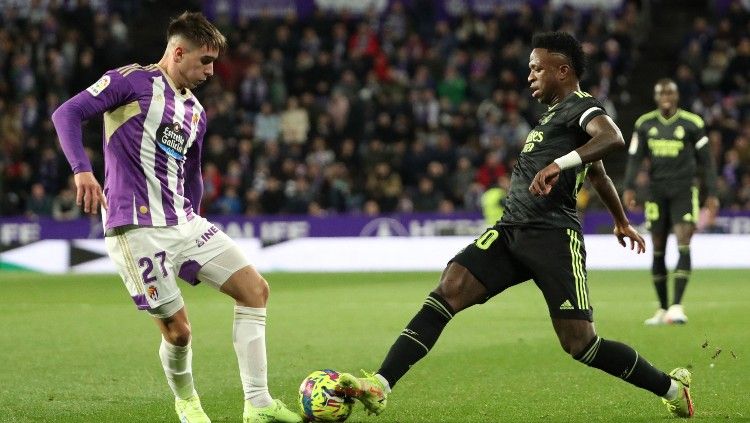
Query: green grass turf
[74, 349]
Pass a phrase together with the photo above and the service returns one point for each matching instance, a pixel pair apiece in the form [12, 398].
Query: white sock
[177, 363]
[249, 337]
[672, 392]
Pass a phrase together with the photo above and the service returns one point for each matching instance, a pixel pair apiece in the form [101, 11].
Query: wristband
[569, 160]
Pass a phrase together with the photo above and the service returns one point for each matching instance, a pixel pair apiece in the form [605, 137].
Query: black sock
[659, 274]
[417, 338]
[624, 362]
[682, 273]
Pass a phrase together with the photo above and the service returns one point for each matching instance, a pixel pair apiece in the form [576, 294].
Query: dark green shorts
[668, 206]
[504, 256]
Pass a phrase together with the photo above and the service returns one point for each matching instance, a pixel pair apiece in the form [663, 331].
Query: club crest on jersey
[172, 140]
[99, 86]
[546, 118]
[153, 292]
[653, 132]
[679, 132]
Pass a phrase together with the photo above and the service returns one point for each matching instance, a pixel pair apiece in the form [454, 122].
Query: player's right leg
[471, 277]
[657, 218]
[144, 260]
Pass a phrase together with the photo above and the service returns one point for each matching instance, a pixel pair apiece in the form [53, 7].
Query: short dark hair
[565, 44]
[194, 27]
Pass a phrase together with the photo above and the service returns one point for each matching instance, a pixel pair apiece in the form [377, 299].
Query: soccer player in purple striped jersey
[153, 135]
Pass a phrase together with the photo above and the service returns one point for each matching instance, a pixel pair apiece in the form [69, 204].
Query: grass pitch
[74, 349]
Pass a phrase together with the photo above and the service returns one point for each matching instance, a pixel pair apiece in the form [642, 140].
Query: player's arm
[605, 138]
[636, 152]
[705, 160]
[608, 194]
[112, 89]
[193, 177]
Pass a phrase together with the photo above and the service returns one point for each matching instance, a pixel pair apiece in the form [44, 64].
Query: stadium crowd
[400, 111]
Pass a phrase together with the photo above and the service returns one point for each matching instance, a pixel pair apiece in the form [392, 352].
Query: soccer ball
[319, 399]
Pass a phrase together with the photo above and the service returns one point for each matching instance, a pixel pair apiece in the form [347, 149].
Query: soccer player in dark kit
[539, 237]
[676, 144]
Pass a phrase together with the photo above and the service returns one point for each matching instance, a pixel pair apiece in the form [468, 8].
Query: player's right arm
[109, 91]
[636, 152]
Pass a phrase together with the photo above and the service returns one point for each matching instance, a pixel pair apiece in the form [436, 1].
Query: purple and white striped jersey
[153, 135]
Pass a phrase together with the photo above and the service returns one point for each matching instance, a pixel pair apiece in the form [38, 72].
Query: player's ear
[563, 71]
[179, 53]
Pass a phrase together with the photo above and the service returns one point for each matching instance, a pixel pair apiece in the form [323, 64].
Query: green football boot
[368, 390]
[190, 410]
[682, 405]
[276, 412]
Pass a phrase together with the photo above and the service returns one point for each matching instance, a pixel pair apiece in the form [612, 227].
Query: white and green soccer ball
[319, 399]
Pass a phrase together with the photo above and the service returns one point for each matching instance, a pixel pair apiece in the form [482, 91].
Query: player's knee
[178, 334]
[460, 289]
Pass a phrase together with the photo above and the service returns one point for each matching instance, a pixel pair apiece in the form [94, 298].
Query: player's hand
[712, 203]
[545, 179]
[628, 199]
[89, 192]
[628, 231]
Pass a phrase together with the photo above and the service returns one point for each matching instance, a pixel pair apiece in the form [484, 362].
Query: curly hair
[565, 44]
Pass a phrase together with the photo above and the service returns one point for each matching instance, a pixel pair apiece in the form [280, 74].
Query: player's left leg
[684, 214]
[232, 274]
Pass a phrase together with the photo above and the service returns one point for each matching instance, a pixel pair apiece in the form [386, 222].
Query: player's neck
[565, 91]
[171, 73]
[666, 114]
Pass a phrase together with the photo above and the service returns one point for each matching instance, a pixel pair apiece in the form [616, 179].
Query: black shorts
[555, 258]
[668, 206]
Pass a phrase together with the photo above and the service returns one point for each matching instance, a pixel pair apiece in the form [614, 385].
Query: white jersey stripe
[173, 166]
[589, 111]
[148, 152]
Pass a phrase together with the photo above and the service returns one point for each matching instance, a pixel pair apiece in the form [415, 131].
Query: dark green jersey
[675, 147]
[560, 131]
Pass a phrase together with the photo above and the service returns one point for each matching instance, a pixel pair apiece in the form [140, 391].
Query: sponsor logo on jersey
[172, 140]
[546, 118]
[99, 86]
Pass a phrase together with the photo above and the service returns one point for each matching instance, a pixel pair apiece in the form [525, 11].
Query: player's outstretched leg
[276, 412]
[682, 404]
[372, 390]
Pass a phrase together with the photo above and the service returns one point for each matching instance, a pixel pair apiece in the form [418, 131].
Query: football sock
[417, 338]
[659, 274]
[673, 390]
[682, 273]
[177, 364]
[624, 362]
[249, 338]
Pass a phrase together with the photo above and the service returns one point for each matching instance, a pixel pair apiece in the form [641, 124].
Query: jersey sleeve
[584, 108]
[110, 90]
[193, 176]
[636, 152]
[704, 156]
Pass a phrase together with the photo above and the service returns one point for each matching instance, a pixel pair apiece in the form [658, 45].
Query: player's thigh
[208, 255]
[490, 260]
[144, 259]
[557, 259]
[684, 207]
[656, 211]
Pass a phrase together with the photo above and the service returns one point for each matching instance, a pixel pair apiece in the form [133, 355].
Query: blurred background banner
[274, 229]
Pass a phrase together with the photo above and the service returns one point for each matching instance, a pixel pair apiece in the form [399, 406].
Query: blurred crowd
[397, 111]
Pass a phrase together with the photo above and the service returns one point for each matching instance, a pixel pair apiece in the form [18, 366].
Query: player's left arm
[608, 194]
[605, 138]
[193, 176]
[706, 162]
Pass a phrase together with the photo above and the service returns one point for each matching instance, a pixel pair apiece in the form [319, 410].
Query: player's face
[197, 65]
[543, 76]
[666, 97]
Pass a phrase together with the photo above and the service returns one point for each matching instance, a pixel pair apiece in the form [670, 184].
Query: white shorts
[149, 259]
